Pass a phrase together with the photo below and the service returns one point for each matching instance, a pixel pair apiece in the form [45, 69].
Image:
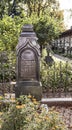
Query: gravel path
[66, 114]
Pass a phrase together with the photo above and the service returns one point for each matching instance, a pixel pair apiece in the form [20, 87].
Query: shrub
[7, 66]
[28, 114]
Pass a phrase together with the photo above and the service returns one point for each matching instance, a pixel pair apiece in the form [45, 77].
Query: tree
[43, 14]
[39, 6]
[46, 18]
[47, 28]
[10, 8]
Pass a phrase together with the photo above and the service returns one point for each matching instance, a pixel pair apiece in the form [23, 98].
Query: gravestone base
[26, 88]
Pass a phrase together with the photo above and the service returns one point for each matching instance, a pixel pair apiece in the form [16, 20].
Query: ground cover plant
[26, 113]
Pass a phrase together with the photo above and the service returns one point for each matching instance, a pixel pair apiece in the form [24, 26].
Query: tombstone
[28, 64]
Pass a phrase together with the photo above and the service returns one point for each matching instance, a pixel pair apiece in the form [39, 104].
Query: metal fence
[57, 80]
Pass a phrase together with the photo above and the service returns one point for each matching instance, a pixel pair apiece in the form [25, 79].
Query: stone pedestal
[32, 88]
[28, 64]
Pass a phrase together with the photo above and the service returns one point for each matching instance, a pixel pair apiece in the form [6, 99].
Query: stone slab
[57, 101]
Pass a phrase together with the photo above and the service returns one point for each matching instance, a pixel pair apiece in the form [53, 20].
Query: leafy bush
[28, 114]
[7, 66]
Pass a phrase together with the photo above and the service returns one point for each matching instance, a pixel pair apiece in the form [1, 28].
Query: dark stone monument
[28, 64]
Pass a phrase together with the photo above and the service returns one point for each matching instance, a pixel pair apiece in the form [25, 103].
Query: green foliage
[44, 15]
[10, 8]
[7, 66]
[9, 33]
[28, 114]
[46, 18]
[58, 75]
[46, 28]
[16, 7]
[10, 29]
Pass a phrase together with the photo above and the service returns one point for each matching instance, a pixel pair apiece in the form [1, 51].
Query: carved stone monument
[28, 64]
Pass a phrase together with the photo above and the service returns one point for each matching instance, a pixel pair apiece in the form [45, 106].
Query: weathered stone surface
[27, 88]
[28, 64]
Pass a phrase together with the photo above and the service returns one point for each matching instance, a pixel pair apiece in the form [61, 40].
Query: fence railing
[57, 79]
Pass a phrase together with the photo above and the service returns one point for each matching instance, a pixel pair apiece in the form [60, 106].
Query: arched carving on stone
[28, 63]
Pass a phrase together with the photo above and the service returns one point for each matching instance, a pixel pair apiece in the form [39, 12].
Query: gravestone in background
[28, 64]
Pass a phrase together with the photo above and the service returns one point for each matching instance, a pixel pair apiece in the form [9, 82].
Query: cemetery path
[61, 58]
[66, 114]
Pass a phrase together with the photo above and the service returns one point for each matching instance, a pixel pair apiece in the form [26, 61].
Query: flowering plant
[28, 114]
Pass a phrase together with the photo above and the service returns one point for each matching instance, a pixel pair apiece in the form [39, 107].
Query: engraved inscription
[28, 65]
